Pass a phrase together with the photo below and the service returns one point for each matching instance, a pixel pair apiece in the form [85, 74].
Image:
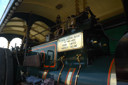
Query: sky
[3, 4]
[14, 42]
[3, 42]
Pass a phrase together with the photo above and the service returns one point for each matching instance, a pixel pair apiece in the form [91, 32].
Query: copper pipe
[57, 32]
[60, 70]
[77, 75]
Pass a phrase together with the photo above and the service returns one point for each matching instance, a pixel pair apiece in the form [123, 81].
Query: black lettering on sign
[64, 45]
[75, 45]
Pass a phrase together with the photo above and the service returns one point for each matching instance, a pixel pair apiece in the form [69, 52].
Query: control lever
[77, 75]
[61, 59]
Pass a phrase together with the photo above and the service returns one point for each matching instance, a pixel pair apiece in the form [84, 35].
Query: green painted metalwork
[115, 35]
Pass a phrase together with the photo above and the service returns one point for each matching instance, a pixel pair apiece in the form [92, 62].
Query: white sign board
[74, 41]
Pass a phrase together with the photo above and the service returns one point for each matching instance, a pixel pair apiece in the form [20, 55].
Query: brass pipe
[77, 7]
[61, 69]
[77, 75]
[84, 5]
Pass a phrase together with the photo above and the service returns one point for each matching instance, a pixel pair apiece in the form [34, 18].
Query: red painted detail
[44, 56]
[67, 76]
[29, 50]
[109, 73]
[72, 76]
[46, 74]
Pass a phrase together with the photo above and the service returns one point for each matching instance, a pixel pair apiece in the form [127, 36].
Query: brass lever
[77, 75]
[61, 58]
